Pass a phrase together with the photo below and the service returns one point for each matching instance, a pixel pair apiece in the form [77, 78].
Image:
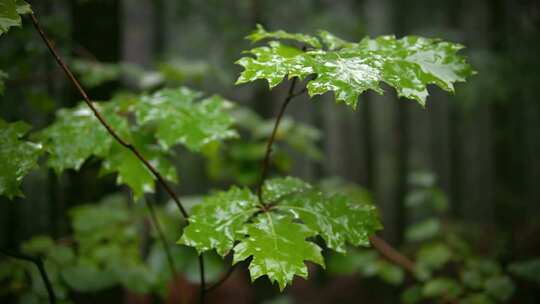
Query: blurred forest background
[481, 146]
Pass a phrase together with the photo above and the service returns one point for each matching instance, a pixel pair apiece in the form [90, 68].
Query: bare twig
[222, 279]
[203, 281]
[266, 160]
[113, 133]
[39, 264]
[391, 254]
[161, 235]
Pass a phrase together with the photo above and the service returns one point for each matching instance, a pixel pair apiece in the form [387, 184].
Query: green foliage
[163, 119]
[104, 252]
[278, 247]
[76, 135]
[179, 119]
[215, 223]
[368, 264]
[447, 269]
[275, 230]
[10, 13]
[445, 288]
[529, 270]
[439, 248]
[239, 160]
[17, 157]
[408, 64]
[93, 73]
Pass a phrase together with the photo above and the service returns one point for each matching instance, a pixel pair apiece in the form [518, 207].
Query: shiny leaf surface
[214, 223]
[10, 11]
[279, 249]
[408, 64]
[260, 34]
[336, 218]
[17, 157]
[76, 135]
[132, 172]
[182, 119]
[274, 233]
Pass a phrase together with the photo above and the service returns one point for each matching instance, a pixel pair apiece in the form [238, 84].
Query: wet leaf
[336, 218]
[260, 34]
[10, 11]
[275, 232]
[279, 249]
[17, 157]
[180, 118]
[214, 223]
[132, 172]
[408, 64]
[76, 135]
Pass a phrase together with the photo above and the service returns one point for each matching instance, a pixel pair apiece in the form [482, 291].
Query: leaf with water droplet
[180, 118]
[131, 171]
[76, 135]
[337, 218]
[279, 249]
[260, 34]
[17, 157]
[408, 64]
[10, 11]
[291, 211]
[214, 223]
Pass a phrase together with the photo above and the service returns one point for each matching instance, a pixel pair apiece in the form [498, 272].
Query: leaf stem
[114, 134]
[39, 264]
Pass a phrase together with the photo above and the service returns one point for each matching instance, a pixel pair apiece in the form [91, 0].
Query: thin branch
[266, 160]
[391, 254]
[161, 235]
[113, 133]
[203, 281]
[101, 119]
[223, 279]
[39, 264]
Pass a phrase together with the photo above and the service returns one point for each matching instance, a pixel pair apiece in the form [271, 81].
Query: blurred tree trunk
[384, 112]
[138, 31]
[476, 181]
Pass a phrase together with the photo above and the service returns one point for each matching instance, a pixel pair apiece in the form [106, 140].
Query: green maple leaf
[76, 135]
[17, 157]
[279, 249]
[131, 171]
[260, 34]
[275, 232]
[10, 13]
[181, 119]
[408, 64]
[215, 222]
[336, 218]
